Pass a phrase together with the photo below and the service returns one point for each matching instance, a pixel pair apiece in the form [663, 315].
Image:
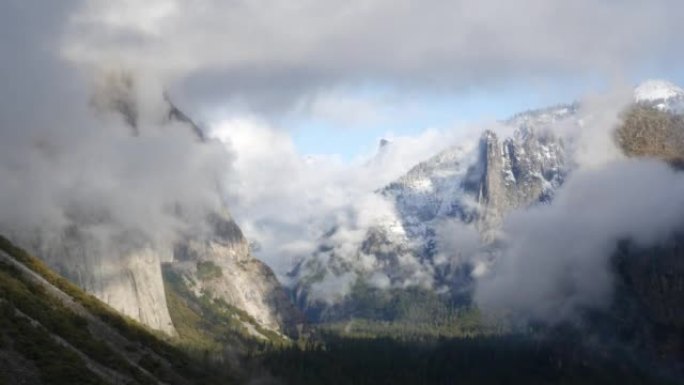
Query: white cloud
[557, 260]
[286, 202]
[271, 53]
[345, 110]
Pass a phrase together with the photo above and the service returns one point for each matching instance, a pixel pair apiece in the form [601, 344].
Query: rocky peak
[518, 171]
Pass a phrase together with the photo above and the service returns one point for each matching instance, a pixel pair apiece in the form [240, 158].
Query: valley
[205, 310]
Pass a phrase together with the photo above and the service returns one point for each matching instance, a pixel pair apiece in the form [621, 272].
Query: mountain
[462, 194]
[124, 269]
[475, 183]
[52, 332]
[221, 267]
[661, 94]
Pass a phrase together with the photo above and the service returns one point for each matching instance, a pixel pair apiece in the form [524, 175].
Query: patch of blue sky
[316, 133]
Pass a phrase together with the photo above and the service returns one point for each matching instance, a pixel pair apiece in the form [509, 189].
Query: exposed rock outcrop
[221, 266]
[473, 183]
[126, 276]
[120, 260]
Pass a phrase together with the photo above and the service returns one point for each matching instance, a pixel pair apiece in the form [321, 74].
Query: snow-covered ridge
[470, 188]
[655, 90]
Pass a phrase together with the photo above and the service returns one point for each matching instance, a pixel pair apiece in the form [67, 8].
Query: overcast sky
[353, 68]
[353, 71]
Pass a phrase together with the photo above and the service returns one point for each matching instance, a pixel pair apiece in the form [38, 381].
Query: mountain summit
[654, 90]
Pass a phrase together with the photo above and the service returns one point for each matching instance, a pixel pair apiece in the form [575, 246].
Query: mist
[70, 159]
[554, 260]
[286, 203]
[73, 166]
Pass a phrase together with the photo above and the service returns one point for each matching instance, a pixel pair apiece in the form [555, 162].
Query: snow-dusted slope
[654, 90]
[496, 173]
[473, 184]
[660, 94]
[221, 267]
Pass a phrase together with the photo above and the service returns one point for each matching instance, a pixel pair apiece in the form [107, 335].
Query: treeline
[477, 360]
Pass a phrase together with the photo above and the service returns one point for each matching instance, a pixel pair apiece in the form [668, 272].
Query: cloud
[345, 110]
[69, 164]
[270, 54]
[554, 259]
[287, 202]
[590, 136]
[557, 258]
[62, 164]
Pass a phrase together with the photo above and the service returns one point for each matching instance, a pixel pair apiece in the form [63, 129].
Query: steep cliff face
[126, 276]
[118, 258]
[216, 262]
[480, 182]
[474, 183]
[220, 266]
[517, 172]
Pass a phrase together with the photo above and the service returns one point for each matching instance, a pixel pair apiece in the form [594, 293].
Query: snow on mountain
[660, 94]
[473, 184]
[477, 180]
[654, 90]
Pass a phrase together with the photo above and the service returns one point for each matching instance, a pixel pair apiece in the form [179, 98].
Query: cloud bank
[557, 258]
[64, 165]
[286, 202]
[70, 165]
[271, 54]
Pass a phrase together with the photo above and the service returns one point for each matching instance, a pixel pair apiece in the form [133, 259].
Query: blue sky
[314, 135]
[418, 111]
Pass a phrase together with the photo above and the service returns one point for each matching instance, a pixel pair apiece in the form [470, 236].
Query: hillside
[54, 333]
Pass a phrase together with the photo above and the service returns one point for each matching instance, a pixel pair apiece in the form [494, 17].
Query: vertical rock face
[480, 182]
[519, 171]
[128, 275]
[128, 278]
[120, 260]
[220, 266]
[473, 183]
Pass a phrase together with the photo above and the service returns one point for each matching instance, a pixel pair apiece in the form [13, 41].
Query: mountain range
[209, 293]
[449, 208]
